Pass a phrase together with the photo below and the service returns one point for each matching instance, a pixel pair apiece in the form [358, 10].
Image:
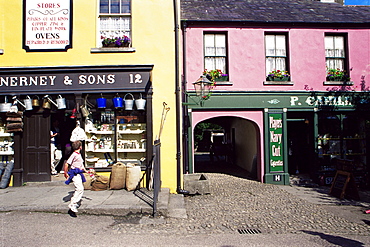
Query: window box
[222, 78]
[274, 78]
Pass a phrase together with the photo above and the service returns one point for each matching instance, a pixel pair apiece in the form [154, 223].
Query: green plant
[278, 73]
[213, 74]
[337, 74]
[117, 41]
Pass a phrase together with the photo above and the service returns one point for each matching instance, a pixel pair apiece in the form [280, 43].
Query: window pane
[270, 64]
[220, 41]
[209, 45]
[220, 64]
[209, 63]
[270, 45]
[280, 45]
[339, 46]
[114, 7]
[280, 64]
[104, 7]
[125, 6]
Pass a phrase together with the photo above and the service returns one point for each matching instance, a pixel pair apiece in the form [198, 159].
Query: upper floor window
[215, 55]
[114, 19]
[335, 52]
[276, 52]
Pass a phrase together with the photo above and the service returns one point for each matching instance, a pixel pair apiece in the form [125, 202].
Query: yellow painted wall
[152, 37]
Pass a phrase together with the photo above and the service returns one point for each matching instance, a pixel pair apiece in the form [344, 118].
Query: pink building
[293, 98]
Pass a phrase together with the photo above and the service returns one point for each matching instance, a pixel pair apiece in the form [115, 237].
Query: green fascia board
[292, 100]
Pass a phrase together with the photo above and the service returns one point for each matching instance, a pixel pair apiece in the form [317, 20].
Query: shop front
[311, 133]
[112, 105]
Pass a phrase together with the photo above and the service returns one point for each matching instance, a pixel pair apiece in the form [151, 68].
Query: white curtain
[215, 52]
[275, 52]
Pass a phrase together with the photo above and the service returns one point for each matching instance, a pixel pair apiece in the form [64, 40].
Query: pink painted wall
[254, 116]
[246, 58]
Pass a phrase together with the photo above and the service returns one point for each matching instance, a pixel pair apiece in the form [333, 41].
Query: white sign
[47, 25]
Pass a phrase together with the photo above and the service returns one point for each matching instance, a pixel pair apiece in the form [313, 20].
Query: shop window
[116, 131]
[276, 53]
[215, 52]
[342, 146]
[114, 20]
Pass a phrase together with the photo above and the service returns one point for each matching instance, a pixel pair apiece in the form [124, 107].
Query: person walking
[75, 174]
[55, 151]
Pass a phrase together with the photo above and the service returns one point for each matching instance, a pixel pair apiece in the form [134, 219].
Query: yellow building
[57, 54]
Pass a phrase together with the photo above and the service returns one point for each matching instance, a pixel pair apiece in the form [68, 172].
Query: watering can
[28, 103]
[61, 102]
[5, 107]
[129, 103]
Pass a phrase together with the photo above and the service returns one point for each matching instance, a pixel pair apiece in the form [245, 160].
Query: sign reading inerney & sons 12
[276, 142]
[47, 25]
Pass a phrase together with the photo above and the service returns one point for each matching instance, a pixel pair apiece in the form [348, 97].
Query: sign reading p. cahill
[47, 25]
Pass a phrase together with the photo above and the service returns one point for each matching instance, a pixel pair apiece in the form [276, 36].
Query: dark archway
[227, 145]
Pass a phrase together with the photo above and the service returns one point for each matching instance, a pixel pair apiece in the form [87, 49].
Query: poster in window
[47, 25]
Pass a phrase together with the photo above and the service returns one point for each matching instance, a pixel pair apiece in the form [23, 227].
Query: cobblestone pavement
[237, 204]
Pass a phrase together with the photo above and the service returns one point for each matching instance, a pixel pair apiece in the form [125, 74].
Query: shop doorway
[226, 145]
[36, 147]
[300, 144]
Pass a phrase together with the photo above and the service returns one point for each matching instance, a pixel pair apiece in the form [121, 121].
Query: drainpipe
[178, 99]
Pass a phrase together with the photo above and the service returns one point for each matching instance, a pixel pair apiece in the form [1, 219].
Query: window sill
[288, 83]
[339, 83]
[1, 51]
[113, 50]
[224, 83]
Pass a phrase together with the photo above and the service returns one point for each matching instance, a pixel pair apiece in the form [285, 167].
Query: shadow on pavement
[337, 240]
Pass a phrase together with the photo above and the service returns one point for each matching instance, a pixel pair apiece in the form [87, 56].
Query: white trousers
[79, 189]
[56, 155]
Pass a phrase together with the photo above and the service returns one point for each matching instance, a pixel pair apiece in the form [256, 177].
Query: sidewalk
[54, 196]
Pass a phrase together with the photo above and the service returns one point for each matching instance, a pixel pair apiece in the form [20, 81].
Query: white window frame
[112, 29]
[215, 51]
[335, 51]
[276, 52]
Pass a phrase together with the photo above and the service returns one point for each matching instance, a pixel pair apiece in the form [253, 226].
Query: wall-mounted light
[203, 88]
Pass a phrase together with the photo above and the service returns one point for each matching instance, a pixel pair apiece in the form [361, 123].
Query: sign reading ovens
[47, 25]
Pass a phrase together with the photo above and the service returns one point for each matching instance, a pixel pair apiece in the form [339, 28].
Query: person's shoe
[73, 208]
[61, 172]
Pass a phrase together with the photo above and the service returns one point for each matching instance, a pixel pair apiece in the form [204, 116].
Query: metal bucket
[140, 103]
[46, 104]
[35, 101]
[101, 102]
[28, 103]
[5, 107]
[129, 103]
[118, 102]
[61, 102]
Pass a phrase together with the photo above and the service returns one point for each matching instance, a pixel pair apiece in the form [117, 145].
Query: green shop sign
[276, 142]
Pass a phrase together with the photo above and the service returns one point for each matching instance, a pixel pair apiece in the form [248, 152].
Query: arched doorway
[228, 145]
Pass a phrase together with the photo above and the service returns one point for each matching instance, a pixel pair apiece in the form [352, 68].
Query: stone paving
[237, 204]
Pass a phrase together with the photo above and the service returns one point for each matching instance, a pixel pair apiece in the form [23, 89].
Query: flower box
[274, 78]
[337, 78]
[222, 78]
